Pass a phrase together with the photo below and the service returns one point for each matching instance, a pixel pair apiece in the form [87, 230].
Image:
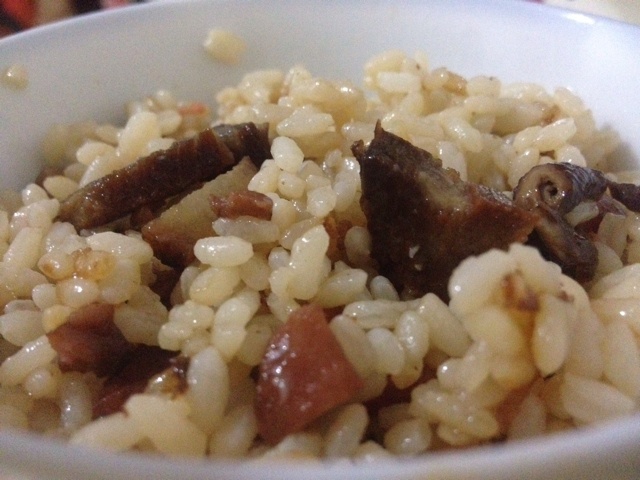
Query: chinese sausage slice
[165, 173]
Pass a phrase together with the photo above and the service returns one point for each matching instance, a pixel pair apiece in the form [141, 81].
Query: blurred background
[16, 15]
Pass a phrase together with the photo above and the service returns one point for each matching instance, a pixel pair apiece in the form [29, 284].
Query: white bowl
[88, 67]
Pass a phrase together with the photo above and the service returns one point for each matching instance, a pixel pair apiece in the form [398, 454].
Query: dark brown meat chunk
[164, 174]
[424, 220]
[237, 204]
[142, 364]
[89, 341]
[553, 190]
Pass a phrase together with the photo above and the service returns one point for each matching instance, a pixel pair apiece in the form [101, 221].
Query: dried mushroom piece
[553, 190]
[627, 194]
[165, 173]
[424, 220]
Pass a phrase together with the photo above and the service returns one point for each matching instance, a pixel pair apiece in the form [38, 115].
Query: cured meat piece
[173, 234]
[89, 341]
[165, 173]
[424, 220]
[304, 374]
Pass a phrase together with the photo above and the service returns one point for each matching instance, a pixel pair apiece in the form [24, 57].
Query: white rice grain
[551, 336]
[445, 329]
[622, 358]
[230, 320]
[346, 431]
[43, 382]
[214, 285]
[116, 433]
[355, 344]
[235, 434]
[308, 263]
[76, 400]
[224, 46]
[121, 283]
[287, 154]
[140, 129]
[32, 355]
[24, 250]
[208, 380]
[591, 401]
[21, 327]
[123, 246]
[175, 435]
[183, 320]
[390, 356]
[341, 288]
[223, 251]
[408, 437]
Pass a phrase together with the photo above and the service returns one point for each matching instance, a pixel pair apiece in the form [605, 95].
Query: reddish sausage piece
[244, 203]
[304, 374]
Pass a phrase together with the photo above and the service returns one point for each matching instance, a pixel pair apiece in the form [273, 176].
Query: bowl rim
[499, 460]
[55, 458]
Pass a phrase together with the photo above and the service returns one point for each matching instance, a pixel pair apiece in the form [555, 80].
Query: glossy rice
[479, 369]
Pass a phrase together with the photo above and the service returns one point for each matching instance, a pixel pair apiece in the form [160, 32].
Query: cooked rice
[480, 370]
[224, 46]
